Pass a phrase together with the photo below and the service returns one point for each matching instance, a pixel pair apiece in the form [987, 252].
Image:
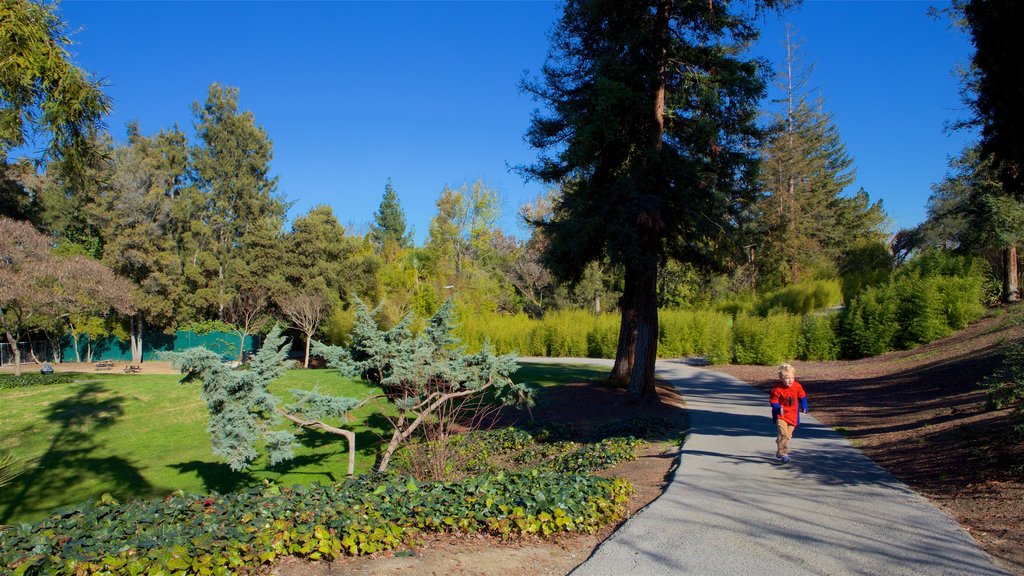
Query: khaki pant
[785, 435]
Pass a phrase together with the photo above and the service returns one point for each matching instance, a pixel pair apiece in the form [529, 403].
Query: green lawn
[145, 436]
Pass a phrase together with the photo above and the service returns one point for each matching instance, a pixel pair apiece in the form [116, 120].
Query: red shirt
[789, 399]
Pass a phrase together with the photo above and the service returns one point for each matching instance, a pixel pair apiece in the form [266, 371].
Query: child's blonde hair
[785, 369]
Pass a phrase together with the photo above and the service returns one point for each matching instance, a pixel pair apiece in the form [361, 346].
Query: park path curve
[731, 509]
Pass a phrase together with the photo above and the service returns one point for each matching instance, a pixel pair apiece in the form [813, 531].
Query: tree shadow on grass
[216, 476]
[70, 459]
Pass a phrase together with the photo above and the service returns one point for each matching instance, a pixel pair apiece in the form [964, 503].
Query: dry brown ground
[148, 367]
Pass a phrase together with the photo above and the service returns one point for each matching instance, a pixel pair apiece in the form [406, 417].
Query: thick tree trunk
[1011, 291]
[623, 367]
[641, 382]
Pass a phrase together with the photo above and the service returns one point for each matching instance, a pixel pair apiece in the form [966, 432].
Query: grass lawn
[145, 436]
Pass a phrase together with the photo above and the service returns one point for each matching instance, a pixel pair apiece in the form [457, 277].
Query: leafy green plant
[10, 381]
[1006, 385]
[818, 338]
[240, 532]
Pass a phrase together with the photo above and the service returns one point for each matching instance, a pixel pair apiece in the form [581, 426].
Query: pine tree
[232, 175]
[806, 168]
[389, 222]
[419, 374]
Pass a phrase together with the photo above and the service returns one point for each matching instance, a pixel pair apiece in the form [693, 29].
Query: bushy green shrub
[765, 341]
[869, 324]
[705, 333]
[802, 298]
[919, 304]
[819, 339]
[603, 336]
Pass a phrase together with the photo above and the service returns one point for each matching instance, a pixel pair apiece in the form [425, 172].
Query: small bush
[8, 381]
[818, 338]
[765, 341]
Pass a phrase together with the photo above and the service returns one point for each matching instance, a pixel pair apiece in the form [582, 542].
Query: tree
[245, 314]
[136, 211]
[35, 284]
[421, 374]
[388, 226]
[306, 310]
[970, 212]
[243, 413]
[232, 173]
[650, 136]
[41, 90]
[804, 172]
[995, 93]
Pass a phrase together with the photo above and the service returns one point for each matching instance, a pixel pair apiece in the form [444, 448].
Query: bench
[104, 365]
[132, 369]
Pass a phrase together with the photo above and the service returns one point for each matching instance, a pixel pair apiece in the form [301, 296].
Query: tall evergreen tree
[134, 213]
[232, 172]
[995, 92]
[389, 222]
[805, 170]
[650, 134]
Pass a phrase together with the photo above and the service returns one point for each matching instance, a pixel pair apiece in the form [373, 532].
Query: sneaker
[784, 459]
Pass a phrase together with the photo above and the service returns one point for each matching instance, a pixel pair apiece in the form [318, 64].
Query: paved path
[731, 509]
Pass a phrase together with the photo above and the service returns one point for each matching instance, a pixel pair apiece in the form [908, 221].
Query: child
[785, 399]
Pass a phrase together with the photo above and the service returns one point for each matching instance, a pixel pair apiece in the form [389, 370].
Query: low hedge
[9, 381]
[238, 533]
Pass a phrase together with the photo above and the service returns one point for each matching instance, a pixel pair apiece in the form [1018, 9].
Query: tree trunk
[13, 343]
[626, 347]
[1011, 291]
[74, 340]
[306, 363]
[641, 381]
[135, 329]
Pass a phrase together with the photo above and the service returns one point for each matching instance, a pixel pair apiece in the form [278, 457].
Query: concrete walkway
[731, 509]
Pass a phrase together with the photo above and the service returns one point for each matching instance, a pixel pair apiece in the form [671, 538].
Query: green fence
[223, 343]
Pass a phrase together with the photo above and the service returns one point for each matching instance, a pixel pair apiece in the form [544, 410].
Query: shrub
[765, 341]
[818, 338]
[869, 323]
[1006, 386]
[8, 381]
[802, 298]
[695, 333]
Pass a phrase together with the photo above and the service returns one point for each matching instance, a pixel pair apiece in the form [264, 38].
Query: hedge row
[918, 305]
[581, 334]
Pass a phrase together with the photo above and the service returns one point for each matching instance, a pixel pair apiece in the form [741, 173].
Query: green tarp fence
[223, 343]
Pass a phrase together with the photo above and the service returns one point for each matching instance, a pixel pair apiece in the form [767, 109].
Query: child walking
[788, 399]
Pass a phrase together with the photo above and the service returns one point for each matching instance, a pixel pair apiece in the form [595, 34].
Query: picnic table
[132, 369]
[104, 365]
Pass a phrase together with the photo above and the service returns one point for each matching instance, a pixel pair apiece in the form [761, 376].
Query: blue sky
[425, 93]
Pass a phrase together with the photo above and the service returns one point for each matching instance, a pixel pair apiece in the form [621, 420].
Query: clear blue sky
[425, 93]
